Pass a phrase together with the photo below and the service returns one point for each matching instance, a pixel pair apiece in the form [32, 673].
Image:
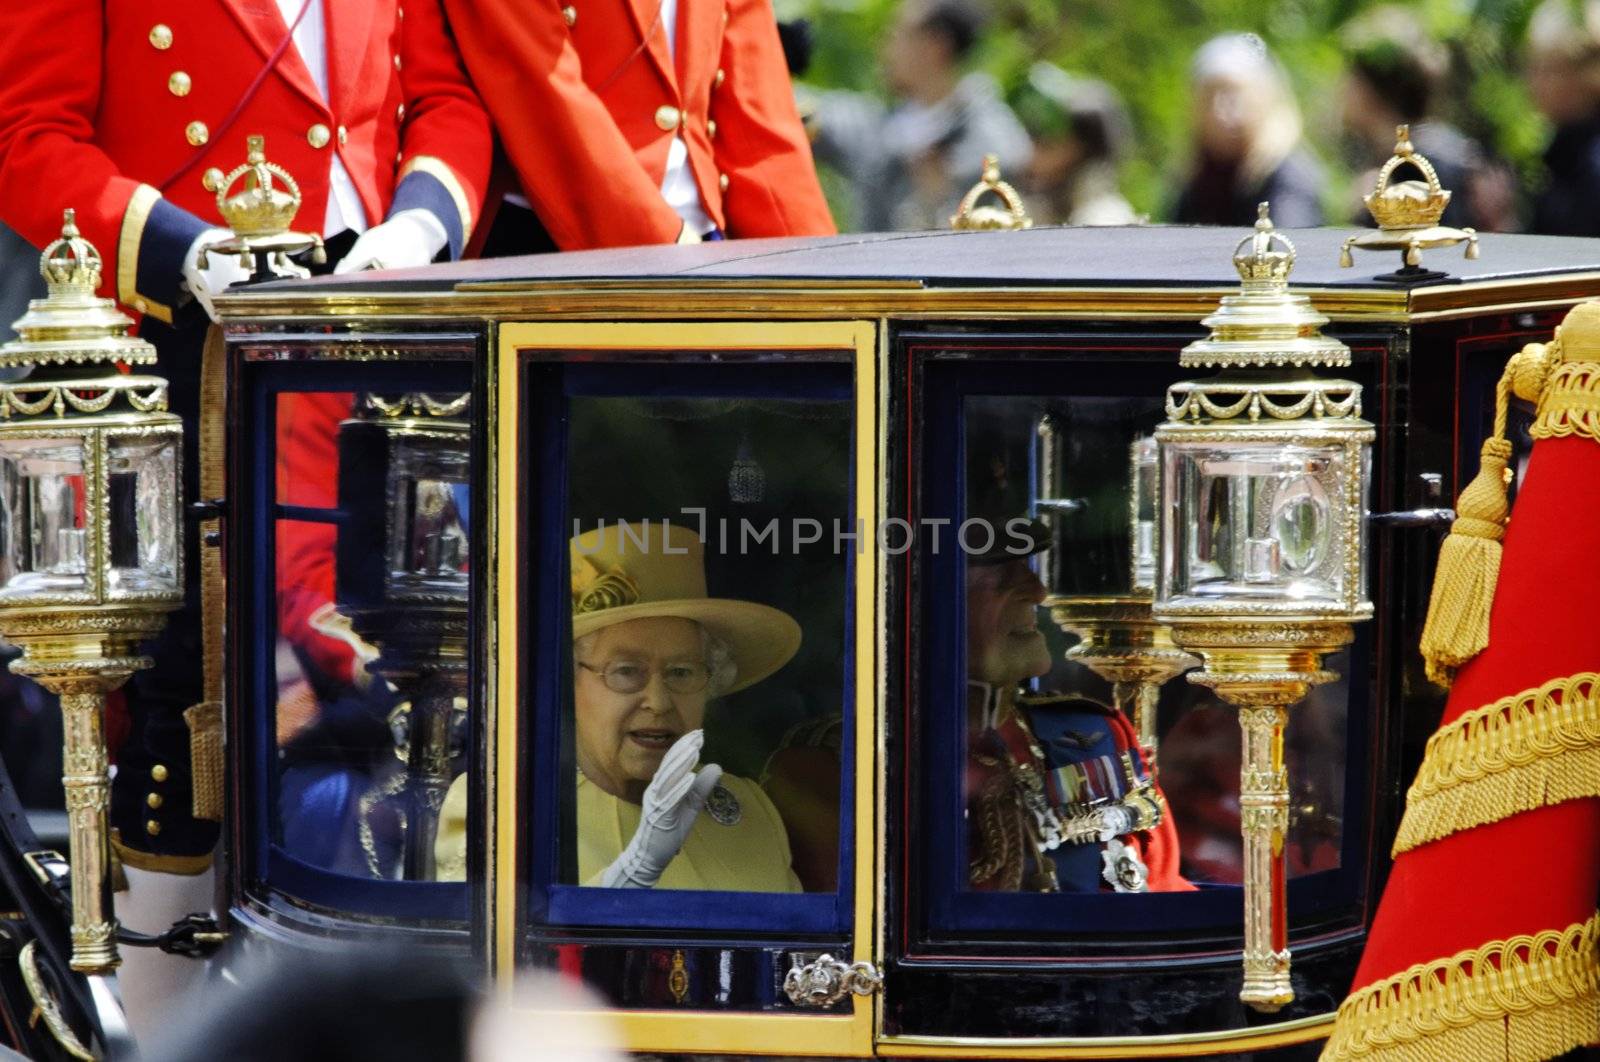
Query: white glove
[410, 238]
[671, 804]
[222, 270]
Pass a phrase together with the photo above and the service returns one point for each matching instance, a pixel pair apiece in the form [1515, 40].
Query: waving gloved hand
[410, 238]
[671, 804]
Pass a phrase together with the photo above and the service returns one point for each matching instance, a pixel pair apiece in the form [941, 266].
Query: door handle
[825, 980]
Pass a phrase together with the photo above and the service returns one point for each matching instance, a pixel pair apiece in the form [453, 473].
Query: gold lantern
[1264, 471]
[90, 546]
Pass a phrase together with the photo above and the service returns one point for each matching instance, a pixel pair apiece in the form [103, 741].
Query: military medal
[1123, 870]
[724, 806]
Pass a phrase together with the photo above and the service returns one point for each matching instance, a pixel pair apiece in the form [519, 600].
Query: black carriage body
[922, 344]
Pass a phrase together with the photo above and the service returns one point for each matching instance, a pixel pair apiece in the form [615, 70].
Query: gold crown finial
[1270, 257]
[70, 263]
[1408, 211]
[72, 325]
[259, 208]
[1010, 215]
[1264, 325]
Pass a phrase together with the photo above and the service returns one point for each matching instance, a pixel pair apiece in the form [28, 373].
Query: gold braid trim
[1570, 402]
[1530, 750]
[1522, 998]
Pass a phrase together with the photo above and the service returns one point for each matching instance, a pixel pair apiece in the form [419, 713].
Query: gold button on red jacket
[88, 121]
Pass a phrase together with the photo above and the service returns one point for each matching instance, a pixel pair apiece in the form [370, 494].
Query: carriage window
[705, 710]
[1089, 768]
[369, 663]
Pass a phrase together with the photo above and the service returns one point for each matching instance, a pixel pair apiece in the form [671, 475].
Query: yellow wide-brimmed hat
[630, 571]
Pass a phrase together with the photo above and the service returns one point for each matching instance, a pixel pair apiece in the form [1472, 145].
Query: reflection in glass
[372, 600]
[1144, 475]
[1267, 520]
[143, 479]
[1054, 774]
[42, 495]
[655, 608]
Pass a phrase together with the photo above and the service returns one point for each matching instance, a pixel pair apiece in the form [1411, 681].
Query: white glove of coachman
[671, 804]
[222, 271]
[409, 239]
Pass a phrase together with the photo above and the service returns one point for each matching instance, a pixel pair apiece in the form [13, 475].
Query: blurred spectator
[1393, 72]
[367, 1002]
[1249, 148]
[1080, 132]
[909, 169]
[1564, 80]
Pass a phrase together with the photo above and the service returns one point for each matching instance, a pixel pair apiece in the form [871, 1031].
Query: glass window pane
[737, 641]
[1069, 788]
[370, 663]
[42, 516]
[143, 507]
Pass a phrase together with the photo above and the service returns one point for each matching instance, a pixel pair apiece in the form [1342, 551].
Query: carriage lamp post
[403, 475]
[90, 552]
[1264, 473]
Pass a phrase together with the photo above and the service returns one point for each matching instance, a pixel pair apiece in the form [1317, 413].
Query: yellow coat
[750, 856]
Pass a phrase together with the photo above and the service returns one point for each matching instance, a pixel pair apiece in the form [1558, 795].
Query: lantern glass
[142, 480]
[42, 516]
[1145, 468]
[428, 495]
[1255, 523]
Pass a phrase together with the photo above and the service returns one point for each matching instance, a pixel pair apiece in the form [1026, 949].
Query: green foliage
[1143, 49]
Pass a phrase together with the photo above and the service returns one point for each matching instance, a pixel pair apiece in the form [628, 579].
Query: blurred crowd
[1062, 136]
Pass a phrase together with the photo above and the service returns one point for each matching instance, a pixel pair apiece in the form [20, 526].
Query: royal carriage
[827, 417]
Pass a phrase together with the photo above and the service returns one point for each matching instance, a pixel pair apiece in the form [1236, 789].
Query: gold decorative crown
[1270, 259]
[970, 216]
[1409, 204]
[259, 208]
[72, 325]
[1265, 325]
[70, 263]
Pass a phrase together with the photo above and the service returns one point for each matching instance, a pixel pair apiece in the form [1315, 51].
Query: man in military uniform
[130, 112]
[1059, 796]
[640, 121]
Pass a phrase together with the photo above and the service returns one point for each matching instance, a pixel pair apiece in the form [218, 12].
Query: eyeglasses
[628, 676]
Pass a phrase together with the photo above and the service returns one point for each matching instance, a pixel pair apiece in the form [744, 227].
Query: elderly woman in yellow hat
[649, 651]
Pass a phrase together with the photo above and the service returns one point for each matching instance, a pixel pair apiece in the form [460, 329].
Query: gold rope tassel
[1530, 750]
[1457, 628]
[1523, 999]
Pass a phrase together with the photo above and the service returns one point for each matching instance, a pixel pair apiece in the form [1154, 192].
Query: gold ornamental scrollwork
[143, 394]
[416, 404]
[1291, 400]
[826, 981]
